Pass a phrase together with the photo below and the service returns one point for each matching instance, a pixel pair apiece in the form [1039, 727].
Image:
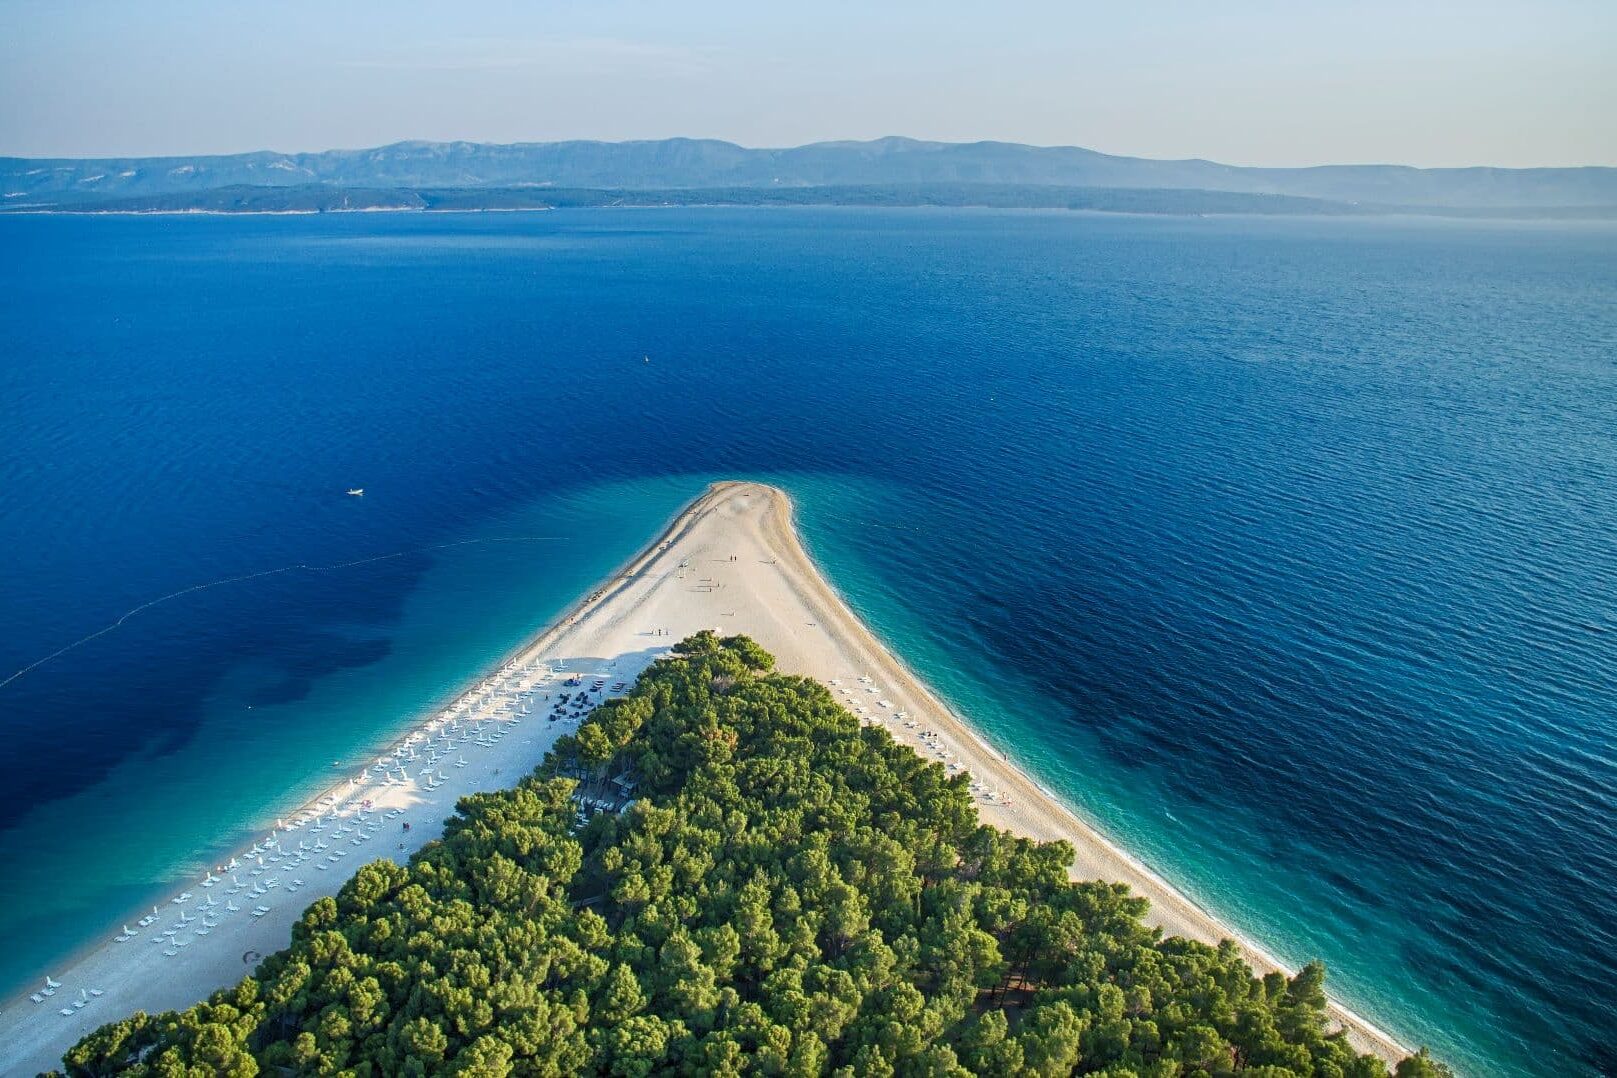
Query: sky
[1250, 82]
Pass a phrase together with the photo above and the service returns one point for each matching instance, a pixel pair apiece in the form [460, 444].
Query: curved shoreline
[31, 1038]
[1171, 908]
[461, 689]
[655, 596]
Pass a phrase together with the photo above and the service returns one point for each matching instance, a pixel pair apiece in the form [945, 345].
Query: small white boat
[356, 492]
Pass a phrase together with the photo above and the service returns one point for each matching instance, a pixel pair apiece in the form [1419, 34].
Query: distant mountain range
[671, 166]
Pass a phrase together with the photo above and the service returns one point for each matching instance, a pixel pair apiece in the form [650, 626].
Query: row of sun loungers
[482, 718]
[930, 740]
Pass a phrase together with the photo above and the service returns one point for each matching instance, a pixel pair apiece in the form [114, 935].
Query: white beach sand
[731, 562]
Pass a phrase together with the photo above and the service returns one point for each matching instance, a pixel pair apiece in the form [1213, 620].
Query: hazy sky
[1287, 82]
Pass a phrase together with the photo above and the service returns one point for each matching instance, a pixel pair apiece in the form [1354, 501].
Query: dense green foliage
[791, 894]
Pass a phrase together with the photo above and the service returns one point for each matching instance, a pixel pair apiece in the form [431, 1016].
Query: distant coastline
[690, 169]
[240, 200]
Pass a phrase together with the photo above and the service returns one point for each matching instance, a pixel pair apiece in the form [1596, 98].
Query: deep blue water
[1284, 549]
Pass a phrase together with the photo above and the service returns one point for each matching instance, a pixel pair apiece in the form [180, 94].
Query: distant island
[459, 176]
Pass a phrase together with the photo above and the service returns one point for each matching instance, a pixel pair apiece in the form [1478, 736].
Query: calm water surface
[1284, 549]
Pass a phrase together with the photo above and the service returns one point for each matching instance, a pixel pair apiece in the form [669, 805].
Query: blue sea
[1284, 549]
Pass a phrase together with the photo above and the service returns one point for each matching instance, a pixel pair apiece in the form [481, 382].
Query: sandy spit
[732, 562]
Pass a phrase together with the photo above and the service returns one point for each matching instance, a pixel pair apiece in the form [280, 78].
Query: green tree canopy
[791, 893]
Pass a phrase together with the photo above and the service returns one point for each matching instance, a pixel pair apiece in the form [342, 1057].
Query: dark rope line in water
[300, 566]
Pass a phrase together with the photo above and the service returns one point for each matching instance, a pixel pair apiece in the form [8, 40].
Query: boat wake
[244, 577]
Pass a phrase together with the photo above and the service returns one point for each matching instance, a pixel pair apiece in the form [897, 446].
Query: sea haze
[1283, 549]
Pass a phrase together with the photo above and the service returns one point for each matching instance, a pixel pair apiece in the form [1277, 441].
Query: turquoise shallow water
[1279, 548]
[265, 740]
